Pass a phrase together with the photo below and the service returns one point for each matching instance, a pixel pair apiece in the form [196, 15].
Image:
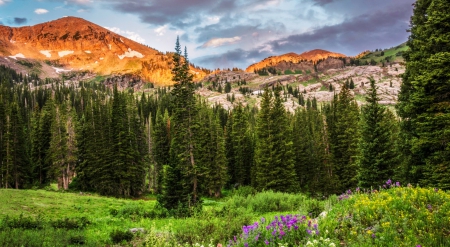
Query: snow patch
[101, 58]
[130, 53]
[88, 52]
[12, 41]
[64, 53]
[59, 70]
[46, 53]
[109, 46]
[96, 61]
[121, 40]
[17, 55]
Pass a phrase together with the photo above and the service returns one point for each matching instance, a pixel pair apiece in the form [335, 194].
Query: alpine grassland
[390, 215]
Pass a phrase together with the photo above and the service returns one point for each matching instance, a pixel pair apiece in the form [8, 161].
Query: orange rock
[82, 45]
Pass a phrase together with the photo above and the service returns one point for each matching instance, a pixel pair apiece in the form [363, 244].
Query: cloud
[78, 2]
[129, 34]
[322, 2]
[160, 31]
[40, 11]
[220, 41]
[379, 29]
[3, 2]
[19, 21]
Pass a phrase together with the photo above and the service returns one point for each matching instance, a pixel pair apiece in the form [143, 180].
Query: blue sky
[233, 33]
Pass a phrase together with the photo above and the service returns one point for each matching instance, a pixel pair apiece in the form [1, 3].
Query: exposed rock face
[82, 45]
[293, 61]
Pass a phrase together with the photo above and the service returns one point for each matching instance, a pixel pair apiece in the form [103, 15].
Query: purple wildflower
[317, 232]
[436, 189]
[246, 244]
[397, 184]
[373, 235]
[263, 220]
[308, 231]
[315, 226]
[389, 182]
[267, 242]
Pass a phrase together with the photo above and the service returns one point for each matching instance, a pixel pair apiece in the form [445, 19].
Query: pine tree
[342, 121]
[377, 157]
[161, 147]
[424, 100]
[241, 148]
[182, 165]
[274, 155]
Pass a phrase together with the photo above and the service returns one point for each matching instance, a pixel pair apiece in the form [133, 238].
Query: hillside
[391, 55]
[356, 218]
[292, 61]
[77, 44]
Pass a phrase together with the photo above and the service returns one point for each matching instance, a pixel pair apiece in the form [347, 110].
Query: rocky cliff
[304, 61]
[81, 45]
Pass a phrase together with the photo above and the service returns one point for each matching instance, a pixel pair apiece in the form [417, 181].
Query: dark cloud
[367, 31]
[179, 13]
[380, 29]
[19, 21]
[322, 2]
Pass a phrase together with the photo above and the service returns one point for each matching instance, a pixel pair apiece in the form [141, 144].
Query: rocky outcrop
[82, 45]
[293, 61]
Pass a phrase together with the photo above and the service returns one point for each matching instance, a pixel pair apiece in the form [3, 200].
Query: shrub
[70, 224]
[118, 236]
[77, 240]
[22, 222]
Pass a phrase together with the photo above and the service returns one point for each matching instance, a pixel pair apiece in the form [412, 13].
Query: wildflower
[267, 242]
[436, 189]
[389, 182]
[246, 244]
[397, 184]
[358, 189]
[263, 220]
[317, 232]
[315, 226]
[373, 235]
[308, 231]
[332, 245]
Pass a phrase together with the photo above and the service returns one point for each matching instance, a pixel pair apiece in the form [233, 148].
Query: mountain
[78, 44]
[293, 61]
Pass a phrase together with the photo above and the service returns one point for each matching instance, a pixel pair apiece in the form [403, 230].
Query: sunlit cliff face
[81, 45]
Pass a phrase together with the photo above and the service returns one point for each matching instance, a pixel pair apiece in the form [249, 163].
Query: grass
[395, 216]
[394, 53]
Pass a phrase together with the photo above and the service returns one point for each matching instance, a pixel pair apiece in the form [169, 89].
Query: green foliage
[274, 164]
[120, 236]
[378, 152]
[423, 101]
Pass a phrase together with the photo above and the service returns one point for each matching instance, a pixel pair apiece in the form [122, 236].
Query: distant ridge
[313, 55]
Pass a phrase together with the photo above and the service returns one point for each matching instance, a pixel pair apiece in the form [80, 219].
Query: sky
[233, 33]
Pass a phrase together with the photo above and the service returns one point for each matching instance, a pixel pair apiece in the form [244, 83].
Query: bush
[70, 224]
[118, 236]
[77, 240]
[22, 222]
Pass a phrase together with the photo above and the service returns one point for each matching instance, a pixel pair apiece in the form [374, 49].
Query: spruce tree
[342, 121]
[182, 165]
[424, 99]
[377, 157]
[274, 155]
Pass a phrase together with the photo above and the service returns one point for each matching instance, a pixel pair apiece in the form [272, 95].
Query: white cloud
[40, 11]
[129, 34]
[3, 1]
[81, 10]
[81, 2]
[215, 42]
[160, 31]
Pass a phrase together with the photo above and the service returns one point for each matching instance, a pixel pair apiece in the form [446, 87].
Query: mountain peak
[312, 55]
[79, 44]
